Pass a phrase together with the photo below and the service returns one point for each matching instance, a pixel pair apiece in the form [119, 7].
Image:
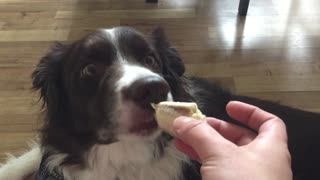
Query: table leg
[243, 7]
[151, 1]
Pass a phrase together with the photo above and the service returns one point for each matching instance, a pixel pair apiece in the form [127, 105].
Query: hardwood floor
[273, 53]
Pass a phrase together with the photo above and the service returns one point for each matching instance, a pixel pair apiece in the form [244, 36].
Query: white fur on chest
[129, 161]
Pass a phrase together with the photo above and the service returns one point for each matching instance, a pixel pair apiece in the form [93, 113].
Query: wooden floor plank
[275, 55]
[128, 14]
[15, 143]
[253, 68]
[281, 83]
[34, 35]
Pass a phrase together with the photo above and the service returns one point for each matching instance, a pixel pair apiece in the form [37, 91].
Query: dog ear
[167, 53]
[46, 78]
[173, 68]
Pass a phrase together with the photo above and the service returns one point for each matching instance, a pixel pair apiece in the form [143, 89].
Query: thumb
[200, 136]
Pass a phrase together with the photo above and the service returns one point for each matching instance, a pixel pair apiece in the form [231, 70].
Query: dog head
[99, 89]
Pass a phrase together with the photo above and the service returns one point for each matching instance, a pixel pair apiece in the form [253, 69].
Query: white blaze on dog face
[131, 73]
[131, 116]
[128, 109]
[114, 60]
[130, 112]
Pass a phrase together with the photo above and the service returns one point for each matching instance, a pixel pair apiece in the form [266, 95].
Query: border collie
[99, 125]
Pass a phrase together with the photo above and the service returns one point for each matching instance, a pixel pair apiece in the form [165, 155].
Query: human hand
[229, 152]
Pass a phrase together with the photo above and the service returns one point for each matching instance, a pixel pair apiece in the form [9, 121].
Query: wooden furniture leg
[243, 7]
[151, 1]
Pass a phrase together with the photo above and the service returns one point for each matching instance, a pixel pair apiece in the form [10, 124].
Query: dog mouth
[144, 128]
[138, 120]
[147, 124]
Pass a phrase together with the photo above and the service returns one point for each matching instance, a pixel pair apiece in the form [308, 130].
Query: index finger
[236, 134]
[257, 119]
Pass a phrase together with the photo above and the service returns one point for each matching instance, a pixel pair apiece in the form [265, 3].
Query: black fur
[74, 103]
[71, 80]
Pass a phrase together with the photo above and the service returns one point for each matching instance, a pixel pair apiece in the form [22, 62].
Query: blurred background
[272, 53]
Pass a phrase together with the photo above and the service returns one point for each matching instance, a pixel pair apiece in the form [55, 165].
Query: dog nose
[148, 90]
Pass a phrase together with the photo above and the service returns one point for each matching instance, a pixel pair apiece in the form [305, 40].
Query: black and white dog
[99, 124]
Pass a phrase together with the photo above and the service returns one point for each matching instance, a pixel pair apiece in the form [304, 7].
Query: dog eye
[151, 62]
[89, 71]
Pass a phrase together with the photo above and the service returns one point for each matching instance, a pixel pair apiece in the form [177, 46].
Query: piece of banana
[166, 112]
